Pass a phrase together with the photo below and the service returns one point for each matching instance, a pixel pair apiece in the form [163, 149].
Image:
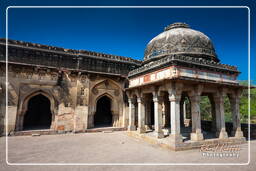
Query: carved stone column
[158, 115]
[196, 134]
[174, 98]
[234, 102]
[131, 126]
[220, 115]
[141, 115]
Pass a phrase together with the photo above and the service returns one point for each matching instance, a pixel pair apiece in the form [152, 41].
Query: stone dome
[179, 38]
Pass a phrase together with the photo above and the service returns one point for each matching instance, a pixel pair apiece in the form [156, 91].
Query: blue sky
[126, 32]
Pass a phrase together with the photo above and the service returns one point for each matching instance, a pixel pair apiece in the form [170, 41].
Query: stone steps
[105, 129]
[51, 132]
[35, 132]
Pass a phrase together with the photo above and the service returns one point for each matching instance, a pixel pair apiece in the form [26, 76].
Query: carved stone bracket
[175, 91]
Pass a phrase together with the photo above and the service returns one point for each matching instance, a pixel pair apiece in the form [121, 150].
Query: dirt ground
[108, 151]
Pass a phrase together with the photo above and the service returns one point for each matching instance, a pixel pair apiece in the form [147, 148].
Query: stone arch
[101, 95]
[104, 103]
[185, 110]
[113, 90]
[24, 107]
[108, 87]
[208, 115]
[106, 81]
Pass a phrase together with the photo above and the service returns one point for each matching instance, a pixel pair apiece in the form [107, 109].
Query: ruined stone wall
[73, 96]
[25, 82]
[2, 101]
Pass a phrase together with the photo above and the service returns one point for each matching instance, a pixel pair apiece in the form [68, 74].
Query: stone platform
[186, 145]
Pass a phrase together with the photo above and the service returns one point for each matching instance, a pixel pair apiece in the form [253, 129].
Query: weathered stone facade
[72, 80]
[144, 96]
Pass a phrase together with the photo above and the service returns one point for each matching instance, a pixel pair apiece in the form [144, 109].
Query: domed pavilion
[180, 66]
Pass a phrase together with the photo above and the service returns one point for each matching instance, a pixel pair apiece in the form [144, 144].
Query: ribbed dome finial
[176, 25]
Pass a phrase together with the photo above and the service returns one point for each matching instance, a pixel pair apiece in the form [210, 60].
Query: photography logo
[220, 150]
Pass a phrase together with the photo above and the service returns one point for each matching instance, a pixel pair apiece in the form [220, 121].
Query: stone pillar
[131, 126]
[174, 99]
[141, 115]
[184, 110]
[196, 134]
[220, 116]
[19, 122]
[158, 115]
[234, 102]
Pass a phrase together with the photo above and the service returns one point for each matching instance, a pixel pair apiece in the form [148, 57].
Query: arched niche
[103, 116]
[112, 90]
[24, 104]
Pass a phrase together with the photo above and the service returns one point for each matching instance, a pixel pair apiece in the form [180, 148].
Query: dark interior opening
[38, 115]
[103, 116]
[152, 111]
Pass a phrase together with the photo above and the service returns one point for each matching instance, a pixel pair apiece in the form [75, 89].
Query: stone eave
[171, 60]
[192, 80]
[71, 52]
[157, 57]
[69, 69]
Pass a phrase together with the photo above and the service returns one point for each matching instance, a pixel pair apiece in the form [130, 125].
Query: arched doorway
[103, 115]
[38, 115]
